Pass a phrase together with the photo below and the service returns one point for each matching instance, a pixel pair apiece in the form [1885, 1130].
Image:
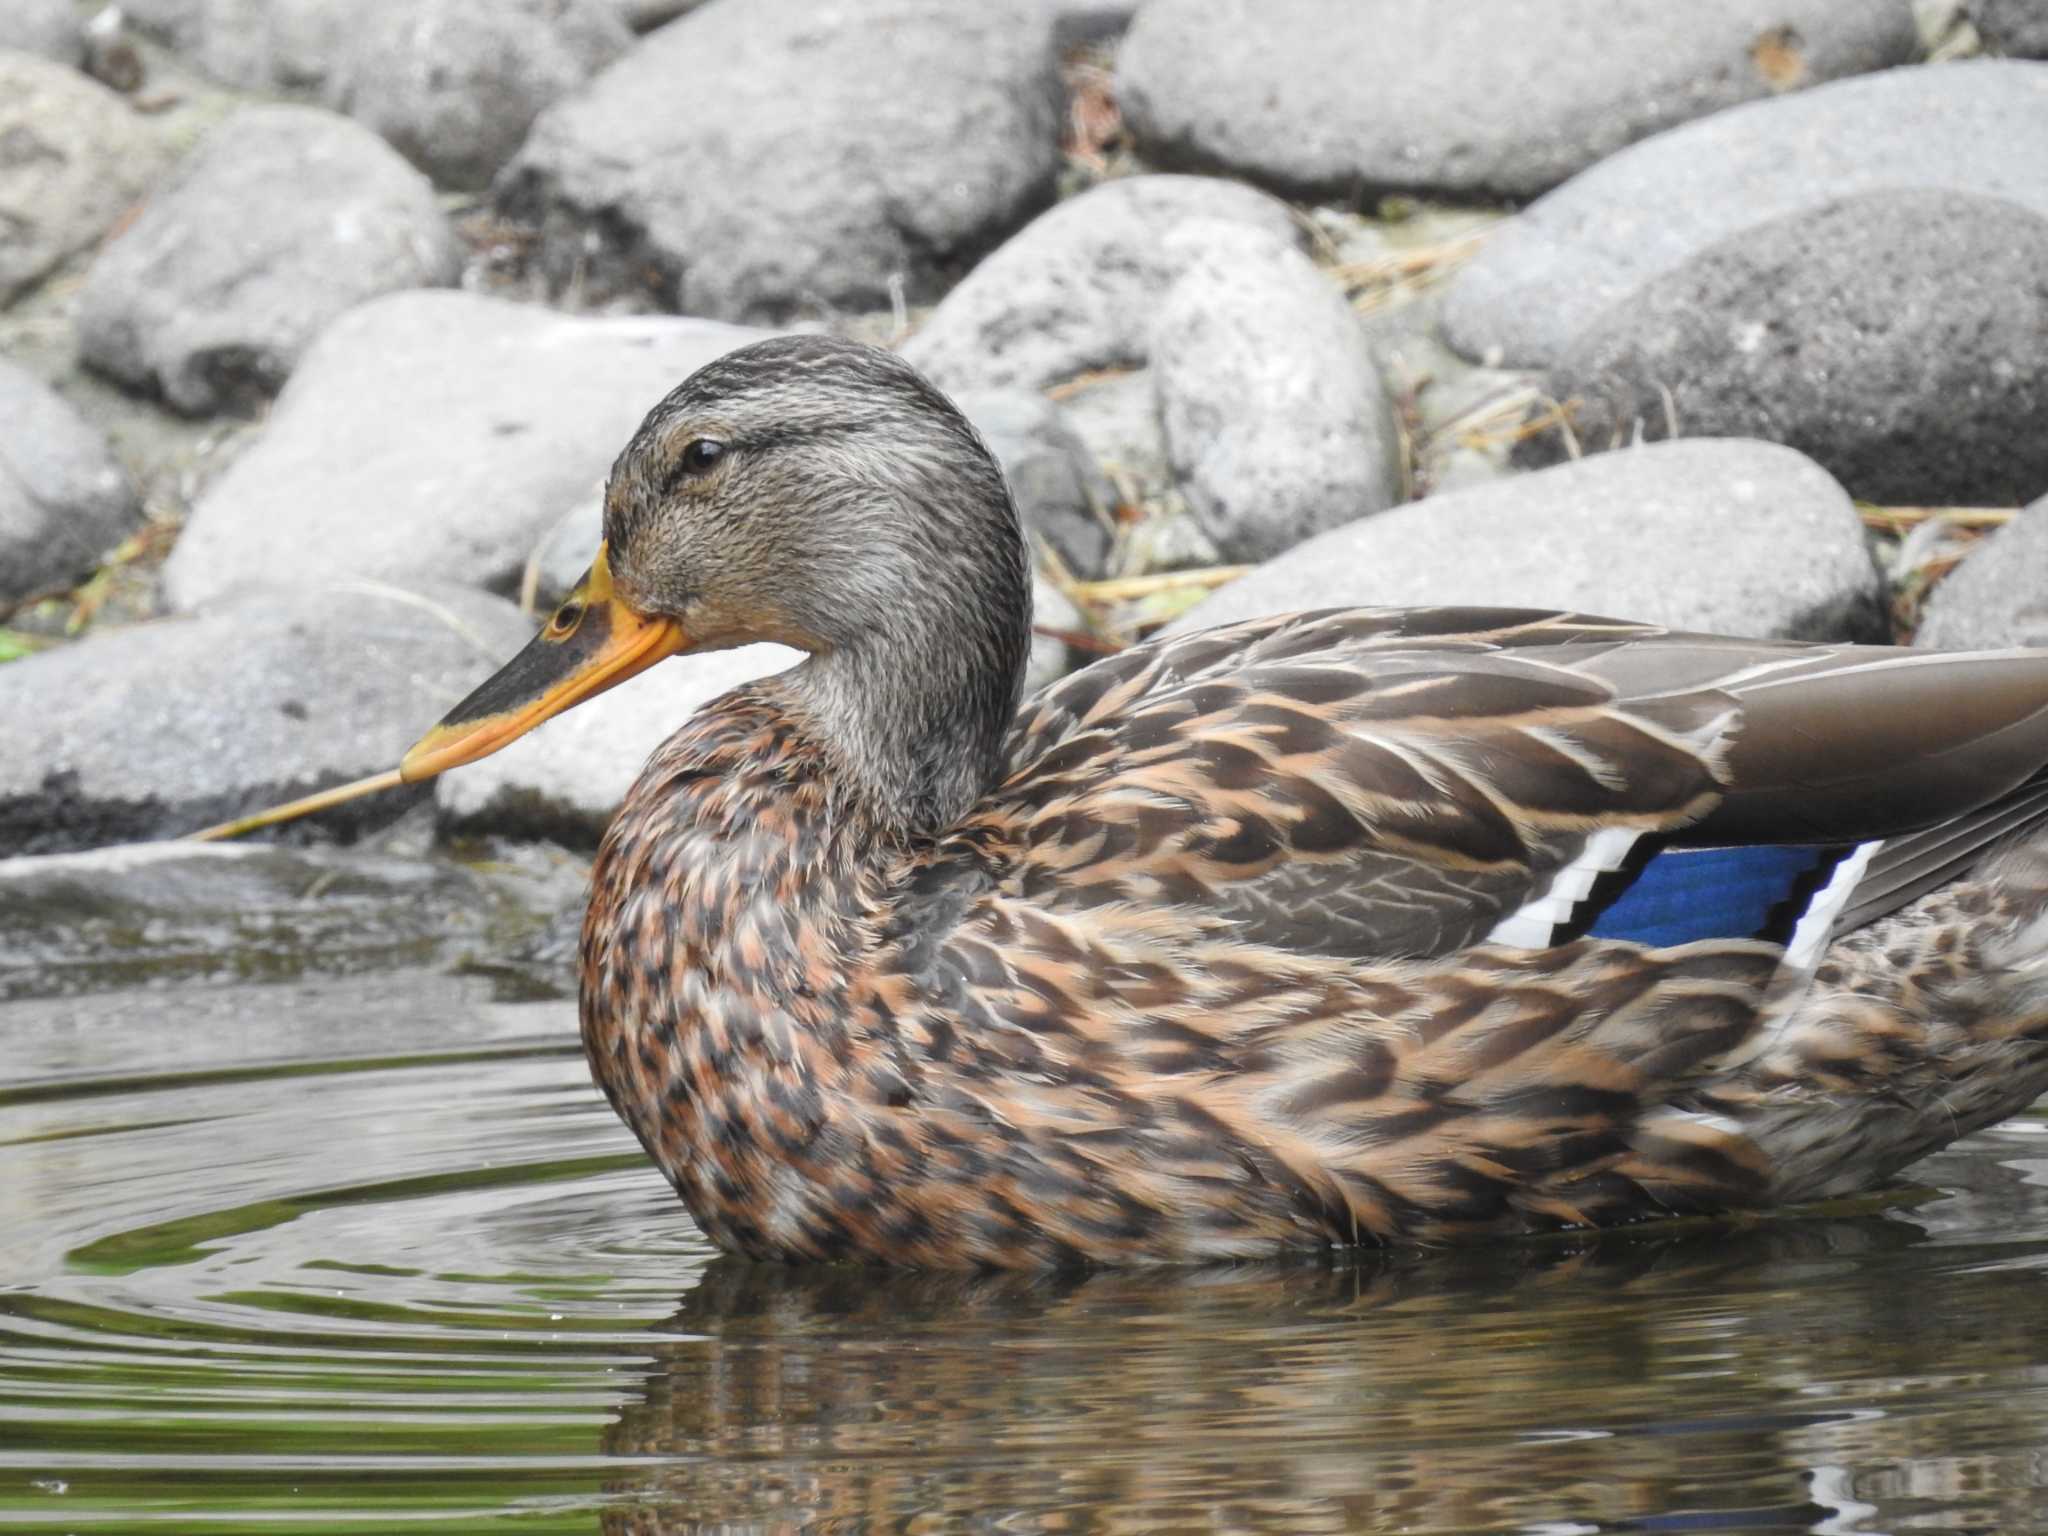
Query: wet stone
[927, 132]
[166, 727]
[73, 157]
[1078, 288]
[1730, 537]
[1978, 127]
[434, 436]
[1898, 338]
[1331, 98]
[64, 501]
[279, 221]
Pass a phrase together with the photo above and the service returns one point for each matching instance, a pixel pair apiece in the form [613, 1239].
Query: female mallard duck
[1355, 927]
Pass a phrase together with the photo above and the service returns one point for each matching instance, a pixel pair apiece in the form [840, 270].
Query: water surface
[359, 1248]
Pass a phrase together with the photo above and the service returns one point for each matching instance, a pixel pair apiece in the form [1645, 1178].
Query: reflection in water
[369, 1253]
[1711, 1379]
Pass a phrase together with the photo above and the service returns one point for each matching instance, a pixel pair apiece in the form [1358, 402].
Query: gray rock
[646, 15]
[1980, 126]
[1276, 423]
[1999, 594]
[272, 693]
[1898, 338]
[1117, 416]
[1333, 98]
[73, 156]
[455, 84]
[566, 779]
[565, 550]
[64, 502]
[1060, 492]
[262, 45]
[923, 133]
[434, 435]
[1733, 537]
[2016, 28]
[1076, 289]
[48, 27]
[280, 220]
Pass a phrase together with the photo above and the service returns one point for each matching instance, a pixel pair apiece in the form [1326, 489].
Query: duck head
[822, 494]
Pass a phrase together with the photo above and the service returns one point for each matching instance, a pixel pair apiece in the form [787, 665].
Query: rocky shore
[321, 321]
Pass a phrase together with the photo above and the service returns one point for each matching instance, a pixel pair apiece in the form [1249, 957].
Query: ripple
[370, 1253]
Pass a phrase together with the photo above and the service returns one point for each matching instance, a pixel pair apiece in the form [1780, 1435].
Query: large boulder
[1277, 426]
[73, 157]
[434, 435]
[1899, 338]
[1979, 126]
[1334, 98]
[266, 695]
[280, 220]
[1078, 288]
[1734, 537]
[64, 501]
[925, 132]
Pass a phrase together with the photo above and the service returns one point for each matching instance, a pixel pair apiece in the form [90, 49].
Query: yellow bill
[592, 642]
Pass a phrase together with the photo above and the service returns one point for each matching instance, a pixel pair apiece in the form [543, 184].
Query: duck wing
[1385, 783]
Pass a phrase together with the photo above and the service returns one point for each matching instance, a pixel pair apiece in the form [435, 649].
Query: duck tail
[1916, 1028]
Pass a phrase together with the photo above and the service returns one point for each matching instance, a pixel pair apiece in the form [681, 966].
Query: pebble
[1077, 288]
[64, 501]
[926, 132]
[1898, 338]
[1331, 98]
[282, 218]
[73, 157]
[1277, 426]
[165, 727]
[1999, 594]
[1978, 126]
[434, 435]
[1731, 537]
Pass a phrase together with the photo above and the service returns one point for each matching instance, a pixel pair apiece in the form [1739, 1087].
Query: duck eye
[700, 453]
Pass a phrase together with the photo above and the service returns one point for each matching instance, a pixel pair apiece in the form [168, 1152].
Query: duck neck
[912, 713]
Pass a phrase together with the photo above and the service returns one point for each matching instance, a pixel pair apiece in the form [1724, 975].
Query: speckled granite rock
[1735, 537]
[166, 727]
[73, 157]
[1078, 287]
[1334, 98]
[1979, 127]
[455, 84]
[434, 435]
[64, 502]
[927, 132]
[1898, 338]
[1999, 594]
[1276, 423]
[280, 220]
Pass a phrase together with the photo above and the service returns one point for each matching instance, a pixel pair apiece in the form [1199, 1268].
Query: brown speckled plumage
[1191, 959]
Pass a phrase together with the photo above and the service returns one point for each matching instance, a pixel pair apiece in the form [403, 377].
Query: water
[357, 1247]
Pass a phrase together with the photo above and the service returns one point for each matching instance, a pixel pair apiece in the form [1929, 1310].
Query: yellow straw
[341, 794]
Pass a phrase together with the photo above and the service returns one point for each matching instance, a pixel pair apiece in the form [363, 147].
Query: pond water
[366, 1252]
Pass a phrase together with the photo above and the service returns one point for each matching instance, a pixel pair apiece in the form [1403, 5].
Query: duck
[1365, 927]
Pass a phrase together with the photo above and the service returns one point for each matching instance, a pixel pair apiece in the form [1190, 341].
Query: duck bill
[593, 642]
